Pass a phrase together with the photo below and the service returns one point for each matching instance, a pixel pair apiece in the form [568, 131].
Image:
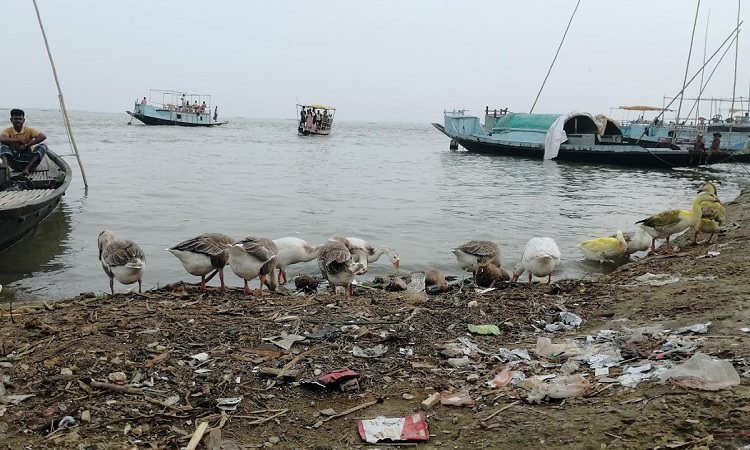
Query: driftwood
[117, 388]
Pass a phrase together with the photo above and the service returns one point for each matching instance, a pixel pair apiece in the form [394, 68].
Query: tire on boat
[453, 145]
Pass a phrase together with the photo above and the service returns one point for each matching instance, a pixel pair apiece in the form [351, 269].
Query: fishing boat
[165, 107]
[574, 136]
[315, 120]
[26, 201]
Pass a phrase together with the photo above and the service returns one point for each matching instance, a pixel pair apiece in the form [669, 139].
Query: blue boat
[574, 136]
[165, 107]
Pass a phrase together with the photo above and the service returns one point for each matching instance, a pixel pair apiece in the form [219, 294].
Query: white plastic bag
[702, 372]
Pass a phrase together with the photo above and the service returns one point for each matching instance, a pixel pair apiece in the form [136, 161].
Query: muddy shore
[148, 371]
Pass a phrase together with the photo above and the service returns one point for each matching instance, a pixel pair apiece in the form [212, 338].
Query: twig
[117, 388]
[196, 439]
[291, 363]
[347, 412]
[501, 410]
[266, 419]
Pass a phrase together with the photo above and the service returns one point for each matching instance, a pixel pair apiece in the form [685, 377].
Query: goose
[255, 257]
[489, 275]
[604, 248]
[364, 253]
[667, 223]
[435, 277]
[338, 267]
[292, 250]
[122, 260]
[540, 258]
[473, 253]
[202, 254]
[638, 241]
[713, 216]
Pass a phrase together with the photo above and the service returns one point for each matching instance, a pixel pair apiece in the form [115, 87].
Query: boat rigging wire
[555, 58]
[66, 120]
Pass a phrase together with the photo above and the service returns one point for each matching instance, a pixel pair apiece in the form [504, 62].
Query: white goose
[122, 260]
[292, 250]
[638, 241]
[667, 223]
[604, 248]
[364, 253]
[473, 253]
[255, 257]
[540, 258]
[338, 267]
[202, 254]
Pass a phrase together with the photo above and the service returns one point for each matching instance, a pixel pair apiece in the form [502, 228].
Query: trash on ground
[448, 398]
[334, 378]
[228, 403]
[284, 340]
[559, 387]
[505, 377]
[484, 329]
[659, 279]
[697, 328]
[372, 352]
[410, 428]
[545, 348]
[702, 372]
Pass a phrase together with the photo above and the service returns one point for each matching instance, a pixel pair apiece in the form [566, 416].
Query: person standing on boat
[302, 119]
[309, 120]
[216, 113]
[21, 147]
[698, 150]
[144, 101]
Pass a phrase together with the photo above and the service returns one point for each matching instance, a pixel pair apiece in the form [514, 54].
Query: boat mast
[734, 82]
[62, 101]
[700, 91]
[555, 58]
[687, 66]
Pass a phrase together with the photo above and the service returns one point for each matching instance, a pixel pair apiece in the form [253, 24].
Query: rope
[66, 120]
[555, 58]
[687, 65]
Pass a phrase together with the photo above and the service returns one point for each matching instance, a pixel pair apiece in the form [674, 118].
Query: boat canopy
[575, 123]
[329, 108]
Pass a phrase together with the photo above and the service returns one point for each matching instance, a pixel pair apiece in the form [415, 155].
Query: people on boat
[203, 108]
[144, 101]
[302, 119]
[216, 113]
[715, 144]
[21, 147]
[698, 150]
[309, 120]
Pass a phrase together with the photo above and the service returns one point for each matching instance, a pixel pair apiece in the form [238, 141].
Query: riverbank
[147, 371]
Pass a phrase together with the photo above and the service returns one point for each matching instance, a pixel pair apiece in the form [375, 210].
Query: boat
[26, 201]
[165, 107]
[317, 120]
[575, 136]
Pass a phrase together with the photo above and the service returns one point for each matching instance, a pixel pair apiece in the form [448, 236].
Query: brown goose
[122, 260]
[203, 254]
[255, 257]
[337, 265]
[473, 253]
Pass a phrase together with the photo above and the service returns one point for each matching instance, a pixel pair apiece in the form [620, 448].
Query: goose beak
[397, 265]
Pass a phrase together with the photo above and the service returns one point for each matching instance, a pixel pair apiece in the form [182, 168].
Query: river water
[395, 184]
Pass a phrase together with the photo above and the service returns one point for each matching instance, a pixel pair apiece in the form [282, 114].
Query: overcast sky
[382, 60]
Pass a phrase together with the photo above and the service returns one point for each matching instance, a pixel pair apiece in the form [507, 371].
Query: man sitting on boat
[21, 147]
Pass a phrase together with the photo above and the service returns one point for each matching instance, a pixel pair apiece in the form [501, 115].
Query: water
[389, 183]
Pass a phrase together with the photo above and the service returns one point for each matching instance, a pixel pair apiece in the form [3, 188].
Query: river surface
[395, 184]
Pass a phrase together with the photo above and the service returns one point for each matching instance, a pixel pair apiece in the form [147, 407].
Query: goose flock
[706, 215]
[340, 258]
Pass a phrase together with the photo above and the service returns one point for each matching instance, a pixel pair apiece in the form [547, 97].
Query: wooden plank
[17, 198]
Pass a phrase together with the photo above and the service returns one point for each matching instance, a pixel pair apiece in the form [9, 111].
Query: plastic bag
[702, 372]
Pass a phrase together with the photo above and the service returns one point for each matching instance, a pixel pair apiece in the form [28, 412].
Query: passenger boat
[315, 119]
[164, 107]
[575, 136]
[26, 201]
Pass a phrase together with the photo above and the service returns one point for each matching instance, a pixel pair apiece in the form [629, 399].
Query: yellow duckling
[667, 223]
[604, 248]
[712, 218]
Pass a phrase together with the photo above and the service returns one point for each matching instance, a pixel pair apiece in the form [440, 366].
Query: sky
[384, 60]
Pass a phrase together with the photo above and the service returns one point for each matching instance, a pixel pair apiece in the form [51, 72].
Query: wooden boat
[26, 201]
[578, 137]
[321, 123]
[166, 107]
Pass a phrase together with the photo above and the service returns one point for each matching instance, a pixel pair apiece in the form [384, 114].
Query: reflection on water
[390, 184]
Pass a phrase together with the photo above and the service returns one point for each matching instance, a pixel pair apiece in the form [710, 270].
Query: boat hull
[151, 120]
[19, 220]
